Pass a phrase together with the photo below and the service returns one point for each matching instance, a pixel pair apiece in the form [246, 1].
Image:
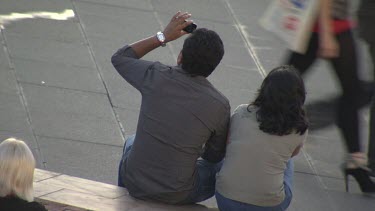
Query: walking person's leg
[302, 62]
[346, 68]
[126, 151]
[371, 148]
[366, 19]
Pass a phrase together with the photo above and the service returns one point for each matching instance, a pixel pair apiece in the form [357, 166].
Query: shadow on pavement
[322, 113]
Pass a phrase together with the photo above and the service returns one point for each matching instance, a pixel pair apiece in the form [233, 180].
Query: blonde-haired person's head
[17, 166]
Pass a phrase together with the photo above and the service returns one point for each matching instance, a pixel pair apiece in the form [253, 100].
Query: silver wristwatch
[161, 38]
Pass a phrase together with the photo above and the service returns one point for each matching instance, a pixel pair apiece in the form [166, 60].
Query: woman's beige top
[253, 170]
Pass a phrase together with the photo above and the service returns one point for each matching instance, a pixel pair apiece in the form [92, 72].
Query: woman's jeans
[204, 185]
[226, 204]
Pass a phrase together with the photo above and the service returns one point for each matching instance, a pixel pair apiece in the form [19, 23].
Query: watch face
[160, 36]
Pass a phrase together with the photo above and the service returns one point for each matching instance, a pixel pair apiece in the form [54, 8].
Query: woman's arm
[297, 150]
[328, 46]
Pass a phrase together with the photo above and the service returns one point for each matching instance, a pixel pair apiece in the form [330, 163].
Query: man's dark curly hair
[202, 52]
[280, 102]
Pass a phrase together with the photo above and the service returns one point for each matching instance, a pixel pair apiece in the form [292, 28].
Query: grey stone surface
[56, 30]
[270, 57]
[243, 90]
[72, 115]
[47, 50]
[39, 159]
[265, 41]
[248, 12]
[225, 77]
[331, 132]
[13, 116]
[302, 164]
[98, 21]
[59, 75]
[227, 31]
[206, 9]
[354, 200]
[3, 57]
[323, 148]
[122, 94]
[77, 115]
[129, 119]
[27, 137]
[310, 196]
[131, 4]
[328, 169]
[238, 57]
[87, 160]
[103, 50]
[337, 185]
[321, 72]
[238, 97]
[8, 83]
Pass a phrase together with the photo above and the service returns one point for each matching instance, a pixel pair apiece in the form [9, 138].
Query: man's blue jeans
[226, 204]
[125, 153]
[204, 185]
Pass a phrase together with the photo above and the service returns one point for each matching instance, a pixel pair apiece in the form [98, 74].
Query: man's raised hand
[174, 29]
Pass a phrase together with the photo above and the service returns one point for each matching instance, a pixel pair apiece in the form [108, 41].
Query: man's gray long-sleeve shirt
[182, 117]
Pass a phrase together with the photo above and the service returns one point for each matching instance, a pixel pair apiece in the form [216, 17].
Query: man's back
[179, 113]
[182, 117]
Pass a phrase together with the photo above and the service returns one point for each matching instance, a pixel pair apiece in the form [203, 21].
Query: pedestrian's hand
[328, 47]
[174, 29]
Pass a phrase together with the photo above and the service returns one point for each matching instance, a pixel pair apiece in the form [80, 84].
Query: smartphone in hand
[190, 28]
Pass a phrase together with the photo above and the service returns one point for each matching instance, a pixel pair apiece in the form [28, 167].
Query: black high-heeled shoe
[362, 177]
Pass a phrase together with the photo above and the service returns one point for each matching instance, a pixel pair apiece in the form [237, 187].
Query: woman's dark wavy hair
[280, 102]
[202, 52]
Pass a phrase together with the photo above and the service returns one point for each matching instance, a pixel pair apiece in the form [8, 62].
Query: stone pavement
[59, 92]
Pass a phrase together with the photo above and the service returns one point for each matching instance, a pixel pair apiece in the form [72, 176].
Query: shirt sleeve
[134, 70]
[214, 150]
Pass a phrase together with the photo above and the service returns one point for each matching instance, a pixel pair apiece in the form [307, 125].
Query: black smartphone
[190, 28]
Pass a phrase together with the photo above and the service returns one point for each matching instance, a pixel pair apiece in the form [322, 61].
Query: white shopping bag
[292, 21]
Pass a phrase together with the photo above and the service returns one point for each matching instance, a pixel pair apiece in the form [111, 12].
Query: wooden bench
[63, 192]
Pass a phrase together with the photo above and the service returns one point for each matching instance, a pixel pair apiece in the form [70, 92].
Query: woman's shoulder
[11, 203]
